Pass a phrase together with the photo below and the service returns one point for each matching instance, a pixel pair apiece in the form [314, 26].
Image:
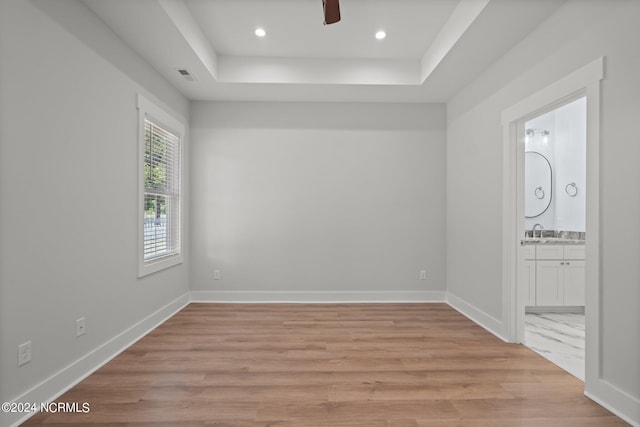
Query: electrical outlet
[216, 274]
[24, 353]
[423, 274]
[80, 326]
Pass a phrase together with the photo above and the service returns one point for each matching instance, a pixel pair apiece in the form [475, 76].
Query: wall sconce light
[528, 135]
[545, 135]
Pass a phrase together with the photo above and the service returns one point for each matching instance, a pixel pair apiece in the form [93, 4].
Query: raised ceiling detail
[302, 59]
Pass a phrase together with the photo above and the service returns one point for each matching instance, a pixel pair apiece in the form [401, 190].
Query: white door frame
[582, 82]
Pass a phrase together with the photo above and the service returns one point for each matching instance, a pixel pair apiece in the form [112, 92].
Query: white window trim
[146, 109]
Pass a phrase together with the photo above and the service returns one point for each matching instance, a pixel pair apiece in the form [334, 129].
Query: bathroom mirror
[537, 184]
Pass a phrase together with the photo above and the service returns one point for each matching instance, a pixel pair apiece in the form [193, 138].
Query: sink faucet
[533, 232]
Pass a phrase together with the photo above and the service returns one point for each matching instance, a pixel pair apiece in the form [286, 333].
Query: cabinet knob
[562, 263]
[568, 264]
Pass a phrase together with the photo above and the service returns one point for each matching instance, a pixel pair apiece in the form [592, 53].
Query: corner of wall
[626, 406]
[488, 322]
[63, 380]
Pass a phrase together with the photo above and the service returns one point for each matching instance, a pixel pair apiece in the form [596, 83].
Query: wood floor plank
[338, 365]
[379, 391]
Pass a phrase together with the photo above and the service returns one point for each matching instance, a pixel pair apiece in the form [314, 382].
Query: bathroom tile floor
[558, 337]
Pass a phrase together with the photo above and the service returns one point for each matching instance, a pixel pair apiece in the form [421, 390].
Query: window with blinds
[161, 191]
[160, 204]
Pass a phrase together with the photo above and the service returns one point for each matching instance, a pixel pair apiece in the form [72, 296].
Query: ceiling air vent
[186, 74]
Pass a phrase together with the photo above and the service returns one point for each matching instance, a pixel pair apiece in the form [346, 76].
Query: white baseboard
[57, 384]
[615, 400]
[483, 319]
[316, 297]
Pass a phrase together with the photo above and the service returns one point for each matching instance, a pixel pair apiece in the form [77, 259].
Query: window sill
[153, 266]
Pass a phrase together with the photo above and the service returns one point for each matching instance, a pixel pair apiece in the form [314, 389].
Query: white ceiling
[295, 27]
[433, 47]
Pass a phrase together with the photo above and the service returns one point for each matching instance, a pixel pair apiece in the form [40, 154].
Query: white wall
[571, 159]
[578, 34]
[566, 150]
[317, 201]
[68, 182]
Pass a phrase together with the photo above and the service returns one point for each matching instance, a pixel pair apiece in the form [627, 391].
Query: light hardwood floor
[339, 365]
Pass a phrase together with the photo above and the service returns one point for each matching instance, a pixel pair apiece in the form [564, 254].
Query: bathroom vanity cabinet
[554, 275]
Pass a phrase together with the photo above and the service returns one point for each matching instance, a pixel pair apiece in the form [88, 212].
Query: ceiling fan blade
[331, 11]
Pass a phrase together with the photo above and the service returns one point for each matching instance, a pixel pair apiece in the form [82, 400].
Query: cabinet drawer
[574, 252]
[549, 252]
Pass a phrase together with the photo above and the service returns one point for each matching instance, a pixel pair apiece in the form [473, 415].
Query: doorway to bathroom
[552, 251]
[520, 275]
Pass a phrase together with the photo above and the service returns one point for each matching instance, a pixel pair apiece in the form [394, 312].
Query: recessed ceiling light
[260, 32]
[381, 35]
